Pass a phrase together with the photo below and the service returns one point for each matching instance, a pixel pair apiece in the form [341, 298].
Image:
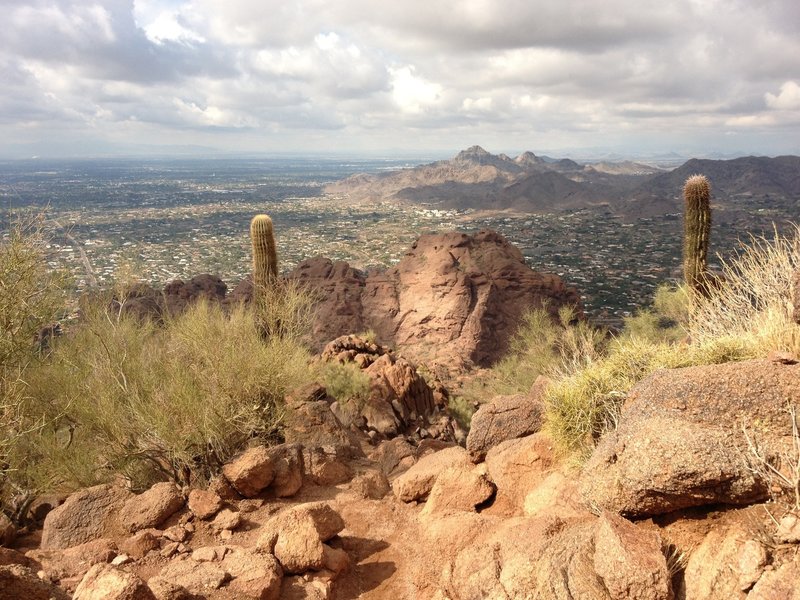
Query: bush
[31, 297]
[348, 383]
[154, 402]
[666, 320]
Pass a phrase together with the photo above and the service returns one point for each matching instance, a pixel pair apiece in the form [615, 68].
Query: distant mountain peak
[528, 158]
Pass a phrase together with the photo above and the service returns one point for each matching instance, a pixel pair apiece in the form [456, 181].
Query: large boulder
[151, 508]
[251, 472]
[454, 299]
[86, 515]
[417, 482]
[681, 441]
[17, 582]
[106, 582]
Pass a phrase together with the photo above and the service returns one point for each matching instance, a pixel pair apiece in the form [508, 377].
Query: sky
[632, 77]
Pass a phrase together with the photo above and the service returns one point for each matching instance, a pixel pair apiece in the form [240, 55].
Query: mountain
[475, 178]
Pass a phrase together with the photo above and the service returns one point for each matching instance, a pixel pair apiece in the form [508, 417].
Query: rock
[288, 467]
[167, 590]
[43, 504]
[327, 465]
[371, 485]
[629, 560]
[14, 557]
[121, 559]
[311, 422]
[251, 472]
[254, 575]
[712, 570]
[417, 482]
[458, 489]
[295, 536]
[556, 495]
[752, 560]
[152, 507]
[227, 519]
[18, 582]
[60, 565]
[204, 504]
[196, 577]
[8, 532]
[106, 582]
[454, 299]
[306, 588]
[138, 545]
[84, 516]
[209, 553]
[222, 488]
[516, 467]
[679, 442]
[789, 529]
[178, 295]
[335, 560]
[780, 584]
[505, 418]
[176, 533]
[394, 456]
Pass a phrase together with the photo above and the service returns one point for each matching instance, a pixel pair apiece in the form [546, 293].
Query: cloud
[423, 73]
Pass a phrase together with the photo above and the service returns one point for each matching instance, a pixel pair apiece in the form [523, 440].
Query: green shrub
[154, 402]
[348, 383]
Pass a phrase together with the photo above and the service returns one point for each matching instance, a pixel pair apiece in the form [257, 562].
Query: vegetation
[697, 229]
[265, 256]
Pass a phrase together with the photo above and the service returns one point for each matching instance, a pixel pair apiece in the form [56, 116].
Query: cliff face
[453, 300]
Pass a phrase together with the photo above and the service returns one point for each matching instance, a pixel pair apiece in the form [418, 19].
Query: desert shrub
[31, 297]
[752, 304]
[348, 383]
[154, 402]
[665, 320]
[461, 410]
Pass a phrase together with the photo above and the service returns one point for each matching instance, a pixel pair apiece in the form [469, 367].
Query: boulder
[680, 441]
[257, 576]
[311, 422]
[516, 467]
[454, 299]
[152, 507]
[458, 489]
[296, 536]
[371, 485]
[287, 466]
[327, 465]
[18, 582]
[196, 577]
[315, 587]
[416, 483]
[557, 495]
[204, 504]
[782, 583]
[72, 563]
[141, 543]
[8, 532]
[86, 515]
[167, 590]
[227, 519]
[15, 557]
[505, 418]
[251, 472]
[106, 582]
[752, 560]
[712, 571]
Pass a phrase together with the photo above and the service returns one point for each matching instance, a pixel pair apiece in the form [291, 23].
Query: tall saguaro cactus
[697, 228]
[265, 256]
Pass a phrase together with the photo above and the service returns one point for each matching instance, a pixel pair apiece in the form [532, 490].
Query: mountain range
[477, 179]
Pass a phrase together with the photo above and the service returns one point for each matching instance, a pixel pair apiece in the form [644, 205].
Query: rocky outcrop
[681, 440]
[454, 299]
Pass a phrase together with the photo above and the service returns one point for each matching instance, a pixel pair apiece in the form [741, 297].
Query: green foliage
[155, 402]
[667, 319]
[348, 383]
[461, 410]
[697, 229]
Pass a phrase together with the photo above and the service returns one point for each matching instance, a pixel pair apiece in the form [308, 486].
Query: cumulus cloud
[418, 74]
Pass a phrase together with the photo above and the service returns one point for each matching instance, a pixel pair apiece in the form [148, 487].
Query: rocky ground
[671, 505]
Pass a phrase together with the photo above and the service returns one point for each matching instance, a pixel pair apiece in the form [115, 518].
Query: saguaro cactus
[697, 228]
[265, 256]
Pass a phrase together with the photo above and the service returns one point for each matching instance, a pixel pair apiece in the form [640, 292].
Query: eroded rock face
[454, 299]
[680, 441]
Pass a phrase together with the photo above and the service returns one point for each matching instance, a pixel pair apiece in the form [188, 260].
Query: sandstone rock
[789, 529]
[287, 464]
[176, 533]
[752, 560]
[504, 418]
[251, 472]
[167, 590]
[60, 565]
[14, 557]
[372, 485]
[335, 560]
[454, 299]
[43, 504]
[210, 553]
[417, 482]
[712, 570]
[18, 582]
[138, 545]
[780, 584]
[84, 516]
[458, 489]
[327, 465]
[629, 560]
[394, 456]
[517, 466]
[680, 443]
[223, 488]
[306, 588]
[196, 577]
[8, 532]
[556, 495]
[311, 422]
[151, 508]
[254, 575]
[227, 519]
[295, 536]
[178, 295]
[204, 504]
[106, 582]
